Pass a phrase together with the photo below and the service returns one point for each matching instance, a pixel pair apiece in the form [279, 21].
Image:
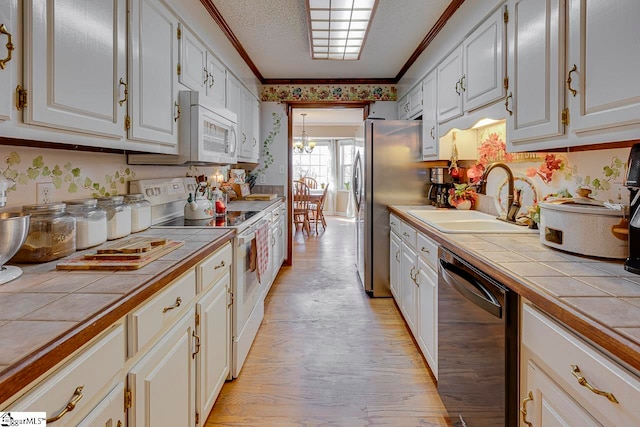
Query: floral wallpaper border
[328, 93]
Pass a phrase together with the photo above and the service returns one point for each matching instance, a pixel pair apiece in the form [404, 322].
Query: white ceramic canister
[91, 222]
[140, 211]
[118, 216]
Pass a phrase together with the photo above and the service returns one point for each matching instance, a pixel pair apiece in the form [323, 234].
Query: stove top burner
[230, 219]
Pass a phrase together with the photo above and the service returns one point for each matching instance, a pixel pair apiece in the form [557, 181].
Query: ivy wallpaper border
[328, 93]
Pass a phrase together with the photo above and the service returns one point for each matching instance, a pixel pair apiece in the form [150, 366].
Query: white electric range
[168, 197]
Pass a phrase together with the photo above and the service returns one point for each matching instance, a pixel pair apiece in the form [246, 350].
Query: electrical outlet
[263, 179]
[44, 192]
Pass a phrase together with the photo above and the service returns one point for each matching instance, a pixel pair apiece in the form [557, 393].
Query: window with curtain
[345, 166]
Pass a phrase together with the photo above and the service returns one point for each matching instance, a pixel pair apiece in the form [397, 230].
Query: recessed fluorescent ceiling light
[338, 28]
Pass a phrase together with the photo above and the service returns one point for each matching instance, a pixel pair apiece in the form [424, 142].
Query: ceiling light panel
[340, 24]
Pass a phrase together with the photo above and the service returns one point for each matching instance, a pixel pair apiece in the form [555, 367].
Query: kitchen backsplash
[77, 174]
[540, 174]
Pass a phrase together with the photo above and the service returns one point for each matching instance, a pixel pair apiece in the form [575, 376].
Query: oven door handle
[454, 277]
[242, 239]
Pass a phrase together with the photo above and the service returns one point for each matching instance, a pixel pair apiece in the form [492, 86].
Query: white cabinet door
[75, 59]
[403, 108]
[551, 406]
[408, 272]
[449, 86]
[429, 117]
[10, 53]
[415, 102]
[536, 56]
[428, 314]
[212, 360]
[193, 61]
[234, 102]
[163, 381]
[109, 412]
[394, 268]
[484, 63]
[604, 40]
[153, 76]
[250, 126]
[216, 80]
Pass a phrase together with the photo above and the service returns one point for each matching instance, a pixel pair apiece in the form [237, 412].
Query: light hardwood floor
[327, 354]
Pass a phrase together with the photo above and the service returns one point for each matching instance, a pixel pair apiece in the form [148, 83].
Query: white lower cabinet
[409, 299]
[428, 318]
[163, 382]
[213, 344]
[394, 267]
[566, 381]
[80, 382]
[413, 268]
[109, 412]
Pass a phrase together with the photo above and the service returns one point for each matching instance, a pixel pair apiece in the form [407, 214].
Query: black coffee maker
[632, 182]
[441, 182]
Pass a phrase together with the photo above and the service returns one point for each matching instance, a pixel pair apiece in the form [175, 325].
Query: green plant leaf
[75, 172]
[87, 183]
[73, 188]
[57, 171]
[33, 173]
[13, 159]
[38, 162]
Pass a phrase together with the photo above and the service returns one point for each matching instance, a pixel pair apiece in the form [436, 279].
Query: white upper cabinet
[484, 63]
[74, 61]
[472, 76]
[193, 61]
[429, 117]
[10, 53]
[199, 69]
[403, 108]
[449, 86]
[216, 80]
[536, 55]
[153, 85]
[603, 64]
[415, 102]
[250, 150]
[234, 101]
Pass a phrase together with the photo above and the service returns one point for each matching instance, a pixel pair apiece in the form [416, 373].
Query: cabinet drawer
[81, 379]
[214, 267]
[428, 250]
[161, 311]
[560, 351]
[408, 234]
[395, 223]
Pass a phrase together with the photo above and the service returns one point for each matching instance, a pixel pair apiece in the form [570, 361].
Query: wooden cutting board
[133, 245]
[258, 196]
[119, 261]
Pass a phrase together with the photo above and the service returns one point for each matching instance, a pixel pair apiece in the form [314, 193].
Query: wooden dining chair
[311, 182]
[301, 206]
[316, 214]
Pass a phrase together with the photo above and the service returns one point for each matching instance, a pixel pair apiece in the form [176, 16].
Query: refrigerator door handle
[357, 193]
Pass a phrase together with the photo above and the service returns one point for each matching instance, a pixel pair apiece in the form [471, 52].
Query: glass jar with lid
[140, 211]
[52, 234]
[118, 216]
[91, 222]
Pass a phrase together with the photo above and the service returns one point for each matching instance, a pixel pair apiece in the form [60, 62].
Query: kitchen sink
[461, 221]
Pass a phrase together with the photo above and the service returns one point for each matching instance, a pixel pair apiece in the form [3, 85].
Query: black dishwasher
[477, 345]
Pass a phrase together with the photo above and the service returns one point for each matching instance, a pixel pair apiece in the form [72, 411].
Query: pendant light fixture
[303, 145]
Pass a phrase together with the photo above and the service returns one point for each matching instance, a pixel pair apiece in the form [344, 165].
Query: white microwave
[207, 135]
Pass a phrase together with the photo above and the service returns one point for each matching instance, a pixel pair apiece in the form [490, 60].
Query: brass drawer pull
[10, 46]
[433, 128]
[175, 305]
[398, 256]
[197, 344]
[423, 249]
[206, 76]
[523, 409]
[572, 90]
[77, 395]
[575, 370]
[219, 265]
[464, 89]
[405, 234]
[176, 105]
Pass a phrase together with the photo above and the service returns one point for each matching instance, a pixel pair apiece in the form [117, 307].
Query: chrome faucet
[482, 187]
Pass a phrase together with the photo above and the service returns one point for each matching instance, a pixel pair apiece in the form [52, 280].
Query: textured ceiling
[274, 35]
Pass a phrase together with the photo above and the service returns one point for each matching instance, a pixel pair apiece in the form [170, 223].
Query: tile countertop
[595, 297]
[47, 314]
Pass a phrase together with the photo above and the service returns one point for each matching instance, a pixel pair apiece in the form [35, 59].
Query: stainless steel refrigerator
[386, 171]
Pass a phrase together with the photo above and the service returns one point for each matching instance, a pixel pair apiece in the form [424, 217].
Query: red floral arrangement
[491, 149]
[546, 170]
